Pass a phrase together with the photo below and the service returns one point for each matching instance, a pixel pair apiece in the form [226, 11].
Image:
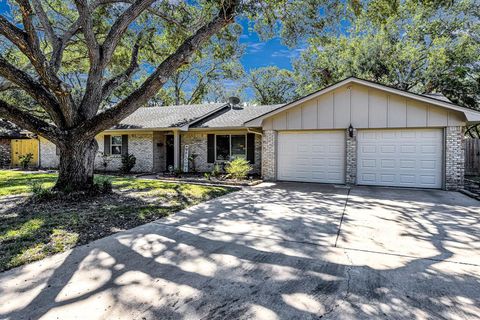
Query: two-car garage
[360, 132]
[390, 157]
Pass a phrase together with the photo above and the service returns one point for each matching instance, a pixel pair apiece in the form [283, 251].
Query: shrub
[25, 160]
[216, 171]
[238, 169]
[102, 184]
[128, 162]
[41, 193]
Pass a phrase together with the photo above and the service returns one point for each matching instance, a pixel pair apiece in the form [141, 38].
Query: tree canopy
[271, 85]
[412, 45]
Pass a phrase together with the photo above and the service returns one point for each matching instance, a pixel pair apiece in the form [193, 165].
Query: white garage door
[312, 156]
[404, 158]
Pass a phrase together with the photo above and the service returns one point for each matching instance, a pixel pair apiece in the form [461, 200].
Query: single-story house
[353, 132]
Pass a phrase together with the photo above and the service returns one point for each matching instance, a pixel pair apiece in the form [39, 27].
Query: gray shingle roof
[166, 117]
[211, 115]
[233, 117]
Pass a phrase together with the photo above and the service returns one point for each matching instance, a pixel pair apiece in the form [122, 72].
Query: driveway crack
[348, 269]
[341, 219]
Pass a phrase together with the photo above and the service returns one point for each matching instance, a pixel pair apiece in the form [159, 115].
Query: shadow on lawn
[263, 253]
[31, 229]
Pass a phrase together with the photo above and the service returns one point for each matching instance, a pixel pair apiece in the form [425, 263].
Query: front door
[169, 151]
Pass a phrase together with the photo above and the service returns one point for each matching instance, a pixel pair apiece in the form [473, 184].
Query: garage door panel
[407, 164]
[322, 158]
[413, 159]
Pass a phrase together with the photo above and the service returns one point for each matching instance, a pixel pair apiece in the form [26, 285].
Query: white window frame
[116, 145]
[230, 146]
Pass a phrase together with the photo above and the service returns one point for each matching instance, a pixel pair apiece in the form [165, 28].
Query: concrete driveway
[285, 251]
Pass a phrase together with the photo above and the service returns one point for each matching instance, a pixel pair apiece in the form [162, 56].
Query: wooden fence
[472, 157]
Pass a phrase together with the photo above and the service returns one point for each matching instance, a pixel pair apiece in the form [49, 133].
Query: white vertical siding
[325, 111]
[377, 109]
[309, 115]
[397, 112]
[341, 110]
[364, 108]
[359, 107]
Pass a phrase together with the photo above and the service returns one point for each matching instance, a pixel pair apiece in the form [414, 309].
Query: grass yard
[31, 230]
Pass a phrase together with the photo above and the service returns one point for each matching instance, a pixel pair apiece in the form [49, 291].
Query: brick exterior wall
[149, 149]
[197, 143]
[5, 153]
[454, 158]
[269, 150]
[140, 145]
[351, 158]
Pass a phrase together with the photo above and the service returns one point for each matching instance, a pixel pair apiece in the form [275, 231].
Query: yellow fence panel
[22, 147]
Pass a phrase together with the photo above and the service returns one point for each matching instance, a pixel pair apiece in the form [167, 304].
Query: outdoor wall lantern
[350, 131]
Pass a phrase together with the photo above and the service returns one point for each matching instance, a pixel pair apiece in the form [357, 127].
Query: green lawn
[17, 182]
[31, 230]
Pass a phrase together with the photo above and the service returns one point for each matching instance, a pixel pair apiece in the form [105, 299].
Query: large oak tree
[69, 58]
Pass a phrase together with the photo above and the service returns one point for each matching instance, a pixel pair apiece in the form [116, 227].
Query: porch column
[176, 149]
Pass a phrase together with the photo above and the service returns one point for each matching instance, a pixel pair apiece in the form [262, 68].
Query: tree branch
[153, 11]
[162, 73]
[7, 85]
[57, 55]
[28, 122]
[34, 89]
[17, 36]
[93, 89]
[113, 83]
[120, 26]
[47, 26]
[38, 60]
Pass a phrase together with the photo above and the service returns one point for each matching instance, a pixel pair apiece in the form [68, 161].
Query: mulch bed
[200, 179]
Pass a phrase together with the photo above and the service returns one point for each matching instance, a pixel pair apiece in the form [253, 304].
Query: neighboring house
[15, 142]
[353, 132]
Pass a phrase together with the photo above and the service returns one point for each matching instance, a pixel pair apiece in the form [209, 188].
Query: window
[116, 145]
[229, 147]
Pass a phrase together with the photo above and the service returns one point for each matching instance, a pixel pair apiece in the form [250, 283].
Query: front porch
[166, 150]
[172, 149]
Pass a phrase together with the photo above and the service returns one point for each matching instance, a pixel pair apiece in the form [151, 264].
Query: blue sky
[260, 53]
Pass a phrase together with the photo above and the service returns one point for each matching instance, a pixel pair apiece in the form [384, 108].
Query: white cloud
[253, 47]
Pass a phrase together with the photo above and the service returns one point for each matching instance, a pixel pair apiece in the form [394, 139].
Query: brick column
[454, 158]
[351, 159]
[269, 150]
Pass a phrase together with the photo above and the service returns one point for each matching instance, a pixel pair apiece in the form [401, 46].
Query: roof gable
[470, 115]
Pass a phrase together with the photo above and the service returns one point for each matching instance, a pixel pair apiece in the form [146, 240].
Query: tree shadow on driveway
[262, 253]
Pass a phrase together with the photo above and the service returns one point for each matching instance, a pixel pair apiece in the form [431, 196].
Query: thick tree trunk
[76, 165]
